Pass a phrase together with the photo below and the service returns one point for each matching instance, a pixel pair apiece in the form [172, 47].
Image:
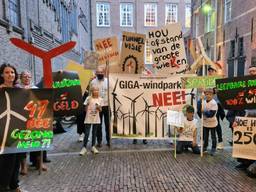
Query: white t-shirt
[92, 114]
[210, 122]
[188, 130]
[103, 88]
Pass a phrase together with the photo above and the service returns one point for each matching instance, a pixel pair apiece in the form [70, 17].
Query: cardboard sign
[167, 47]
[244, 138]
[199, 82]
[139, 104]
[237, 93]
[107, 49]
[91, 60]
[132, 54]
[26, 118]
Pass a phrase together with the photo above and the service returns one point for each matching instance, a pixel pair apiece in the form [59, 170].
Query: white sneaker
[81, 138]
[94, 150]
[220, 145]
[83, 151]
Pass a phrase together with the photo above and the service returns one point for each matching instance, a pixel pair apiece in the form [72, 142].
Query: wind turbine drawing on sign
[114, 108]
[147, 114]
[163, 116]
[8, 112]
[133, 101]
[123, 117]
[156, 119]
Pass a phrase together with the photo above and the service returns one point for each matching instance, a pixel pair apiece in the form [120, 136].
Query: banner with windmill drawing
[139, 104]
[26, 124]
[168, 50]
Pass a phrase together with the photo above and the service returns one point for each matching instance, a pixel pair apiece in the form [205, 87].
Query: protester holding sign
[102, 83]
[209, 111]
[93, 107]
[245, 163]
[187, 134]
[35, 156]
[9, 163]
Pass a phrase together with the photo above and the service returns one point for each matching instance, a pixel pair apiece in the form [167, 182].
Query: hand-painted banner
[237, 93]
[26, 118]
[107, 49]
[132, 54]
[91, 59]
[139, 104]
[67, 94]
[244, 138]
[199, 82]
[167, 47]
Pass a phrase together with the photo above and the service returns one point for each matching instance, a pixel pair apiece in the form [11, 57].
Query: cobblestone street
[128, 167]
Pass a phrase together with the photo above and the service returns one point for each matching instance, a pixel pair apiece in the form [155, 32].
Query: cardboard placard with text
[168, 50]
[132, 53]
[244, 138]
[107, 48]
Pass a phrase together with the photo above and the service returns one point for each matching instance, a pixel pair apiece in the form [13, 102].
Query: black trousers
[80, 123]
[206, 137]
[87, 129]
[104, 113]
[219, 132]
[9, 171]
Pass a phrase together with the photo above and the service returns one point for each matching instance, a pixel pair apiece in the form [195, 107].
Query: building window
[227, 9]
[103, 14]
[14, 12]
[210, 21]
[126, 15]
[187, 15]
[150, 13]
[148, 56]
[64, 19]
[171, 13]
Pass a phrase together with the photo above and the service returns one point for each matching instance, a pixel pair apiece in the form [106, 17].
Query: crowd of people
[97, 113]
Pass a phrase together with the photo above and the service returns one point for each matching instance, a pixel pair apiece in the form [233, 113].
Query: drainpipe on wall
[215, 32]
[90, 11]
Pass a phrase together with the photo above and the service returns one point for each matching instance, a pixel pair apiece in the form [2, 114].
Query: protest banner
[107, 48]
[26, 118]
[244, 138]
[237, 93]
[175, 118]
[84, 75]
[91, 59]
[139, 104]
[199, 82]
[132, 53]
[168, 50]
[67, 94]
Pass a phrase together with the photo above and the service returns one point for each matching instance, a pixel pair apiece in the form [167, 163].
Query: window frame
[104, 18]
[188, 15]
[168, 7]
[130, 12]
[14, 16]
[146, 24]
[227, 10]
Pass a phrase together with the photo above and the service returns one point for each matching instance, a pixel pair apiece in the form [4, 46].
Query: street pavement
[128, 167]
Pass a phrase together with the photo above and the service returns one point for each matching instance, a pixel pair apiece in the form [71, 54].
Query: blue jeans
[181, 145]
[87, 129]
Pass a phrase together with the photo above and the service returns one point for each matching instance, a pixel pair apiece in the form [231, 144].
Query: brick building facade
[111, 17]
[46, 24]
[227, 29]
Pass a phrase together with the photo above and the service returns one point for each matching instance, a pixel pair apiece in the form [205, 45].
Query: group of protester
[11, 165]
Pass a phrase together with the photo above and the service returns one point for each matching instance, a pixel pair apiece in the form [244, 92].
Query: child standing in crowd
[93, 105]
[209, 111]
[187, 132]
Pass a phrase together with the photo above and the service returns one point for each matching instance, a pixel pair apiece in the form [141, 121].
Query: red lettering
[167, 98]
[38, 123]
[157, 99]
[176, 98]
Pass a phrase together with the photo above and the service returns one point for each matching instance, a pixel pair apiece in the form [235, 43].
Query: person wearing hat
[208, 111]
